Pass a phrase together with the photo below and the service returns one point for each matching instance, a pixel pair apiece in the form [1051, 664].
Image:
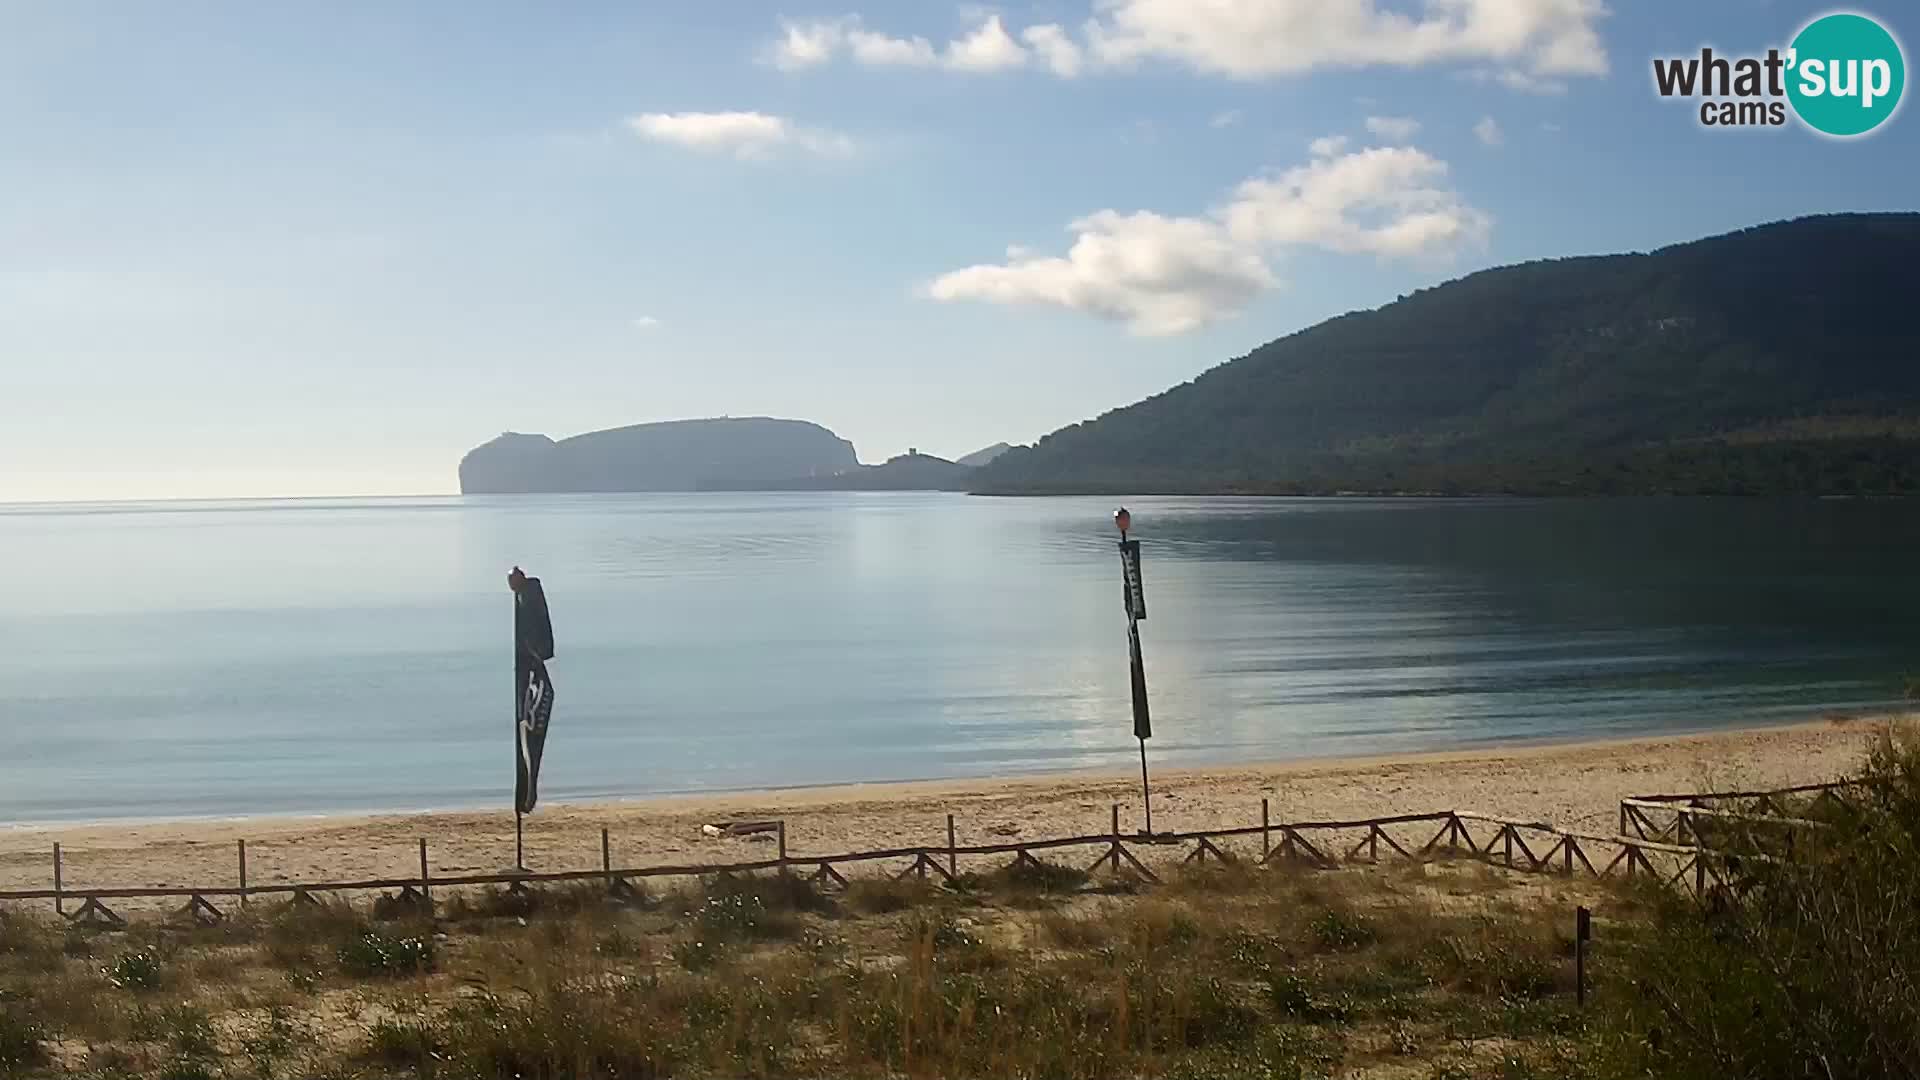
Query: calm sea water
[177, 659]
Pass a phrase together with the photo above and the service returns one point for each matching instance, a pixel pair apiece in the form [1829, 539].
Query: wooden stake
[953, 856]
[59, 902]
[426, 882]
[1582, 930]
[606, 857]
[242, 844]
[781, 835]
[1266, 831]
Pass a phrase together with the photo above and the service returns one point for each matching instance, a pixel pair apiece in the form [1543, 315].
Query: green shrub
[697, 956]
[139, 970]
[1294, 996]
[375, 954]
[189, 1032]
[1342, 931]
[617, 944]
[22, 1040]
[1808, 969]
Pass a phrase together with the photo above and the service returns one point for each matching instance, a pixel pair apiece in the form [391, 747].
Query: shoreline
[917, 787]
[1574, 785]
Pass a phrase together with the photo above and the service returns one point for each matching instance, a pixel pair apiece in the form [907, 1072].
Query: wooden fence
[1534, 847]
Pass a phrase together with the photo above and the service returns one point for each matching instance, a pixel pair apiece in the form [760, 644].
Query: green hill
[1781, 358]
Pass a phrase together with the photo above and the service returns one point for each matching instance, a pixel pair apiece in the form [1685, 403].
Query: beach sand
[1575, 786]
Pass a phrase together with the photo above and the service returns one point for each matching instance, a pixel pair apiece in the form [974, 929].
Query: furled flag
[532, 685]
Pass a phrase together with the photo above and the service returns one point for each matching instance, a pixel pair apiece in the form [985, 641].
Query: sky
[269, 249]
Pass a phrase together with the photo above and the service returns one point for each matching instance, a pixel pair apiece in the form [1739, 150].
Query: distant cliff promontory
[731, 454]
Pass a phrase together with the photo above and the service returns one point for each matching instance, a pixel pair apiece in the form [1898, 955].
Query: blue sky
[254, 249]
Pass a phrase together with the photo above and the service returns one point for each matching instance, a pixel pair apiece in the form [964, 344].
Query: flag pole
[1134, 595]
[519, 692]
[1146, 796]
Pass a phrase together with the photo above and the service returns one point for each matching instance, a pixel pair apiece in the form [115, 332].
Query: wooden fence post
[242, 844]
[953, 856]
[780, 834]
[1582, 930]
[606, 856]
[59, 902]
[1266, 832]
[426, 882]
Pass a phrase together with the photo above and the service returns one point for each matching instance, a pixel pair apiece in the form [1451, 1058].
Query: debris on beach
[752, 830]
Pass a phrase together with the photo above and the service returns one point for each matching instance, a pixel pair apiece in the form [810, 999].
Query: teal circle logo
[1845, 74]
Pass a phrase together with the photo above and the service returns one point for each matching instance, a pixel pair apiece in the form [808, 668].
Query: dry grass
[1030, 971]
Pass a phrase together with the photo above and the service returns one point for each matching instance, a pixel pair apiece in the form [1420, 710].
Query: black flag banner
[1134, 596]
[533, 688]
[1142, 721]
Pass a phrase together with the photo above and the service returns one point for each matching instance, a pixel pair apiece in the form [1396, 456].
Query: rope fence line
[1641, 847]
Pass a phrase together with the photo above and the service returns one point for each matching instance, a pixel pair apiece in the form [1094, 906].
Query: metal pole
[59, 903]
[243, 871]
[1146, 796]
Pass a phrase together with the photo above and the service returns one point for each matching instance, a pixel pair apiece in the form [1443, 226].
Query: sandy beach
[1575, 785]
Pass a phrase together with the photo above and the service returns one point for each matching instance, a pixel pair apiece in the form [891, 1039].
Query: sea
[237, 658]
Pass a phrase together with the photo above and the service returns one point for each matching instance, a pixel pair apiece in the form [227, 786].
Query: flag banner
[1142, 723]
[530, 732]
[1134, 593]
[533, 688]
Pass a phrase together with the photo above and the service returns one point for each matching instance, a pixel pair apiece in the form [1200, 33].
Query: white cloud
[1393, 128]
[1055, 49]
[1158, 275]
[1327, 145]
[645, 322]
[1528, 45]
[746, 135]
[989, 48]
[1226, 119]
[1488, 132]
[879, 50]
[1258, 38]
[1167, 275]
[805, 45]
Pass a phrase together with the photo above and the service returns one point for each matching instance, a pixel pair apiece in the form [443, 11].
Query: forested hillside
[1779, 358]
